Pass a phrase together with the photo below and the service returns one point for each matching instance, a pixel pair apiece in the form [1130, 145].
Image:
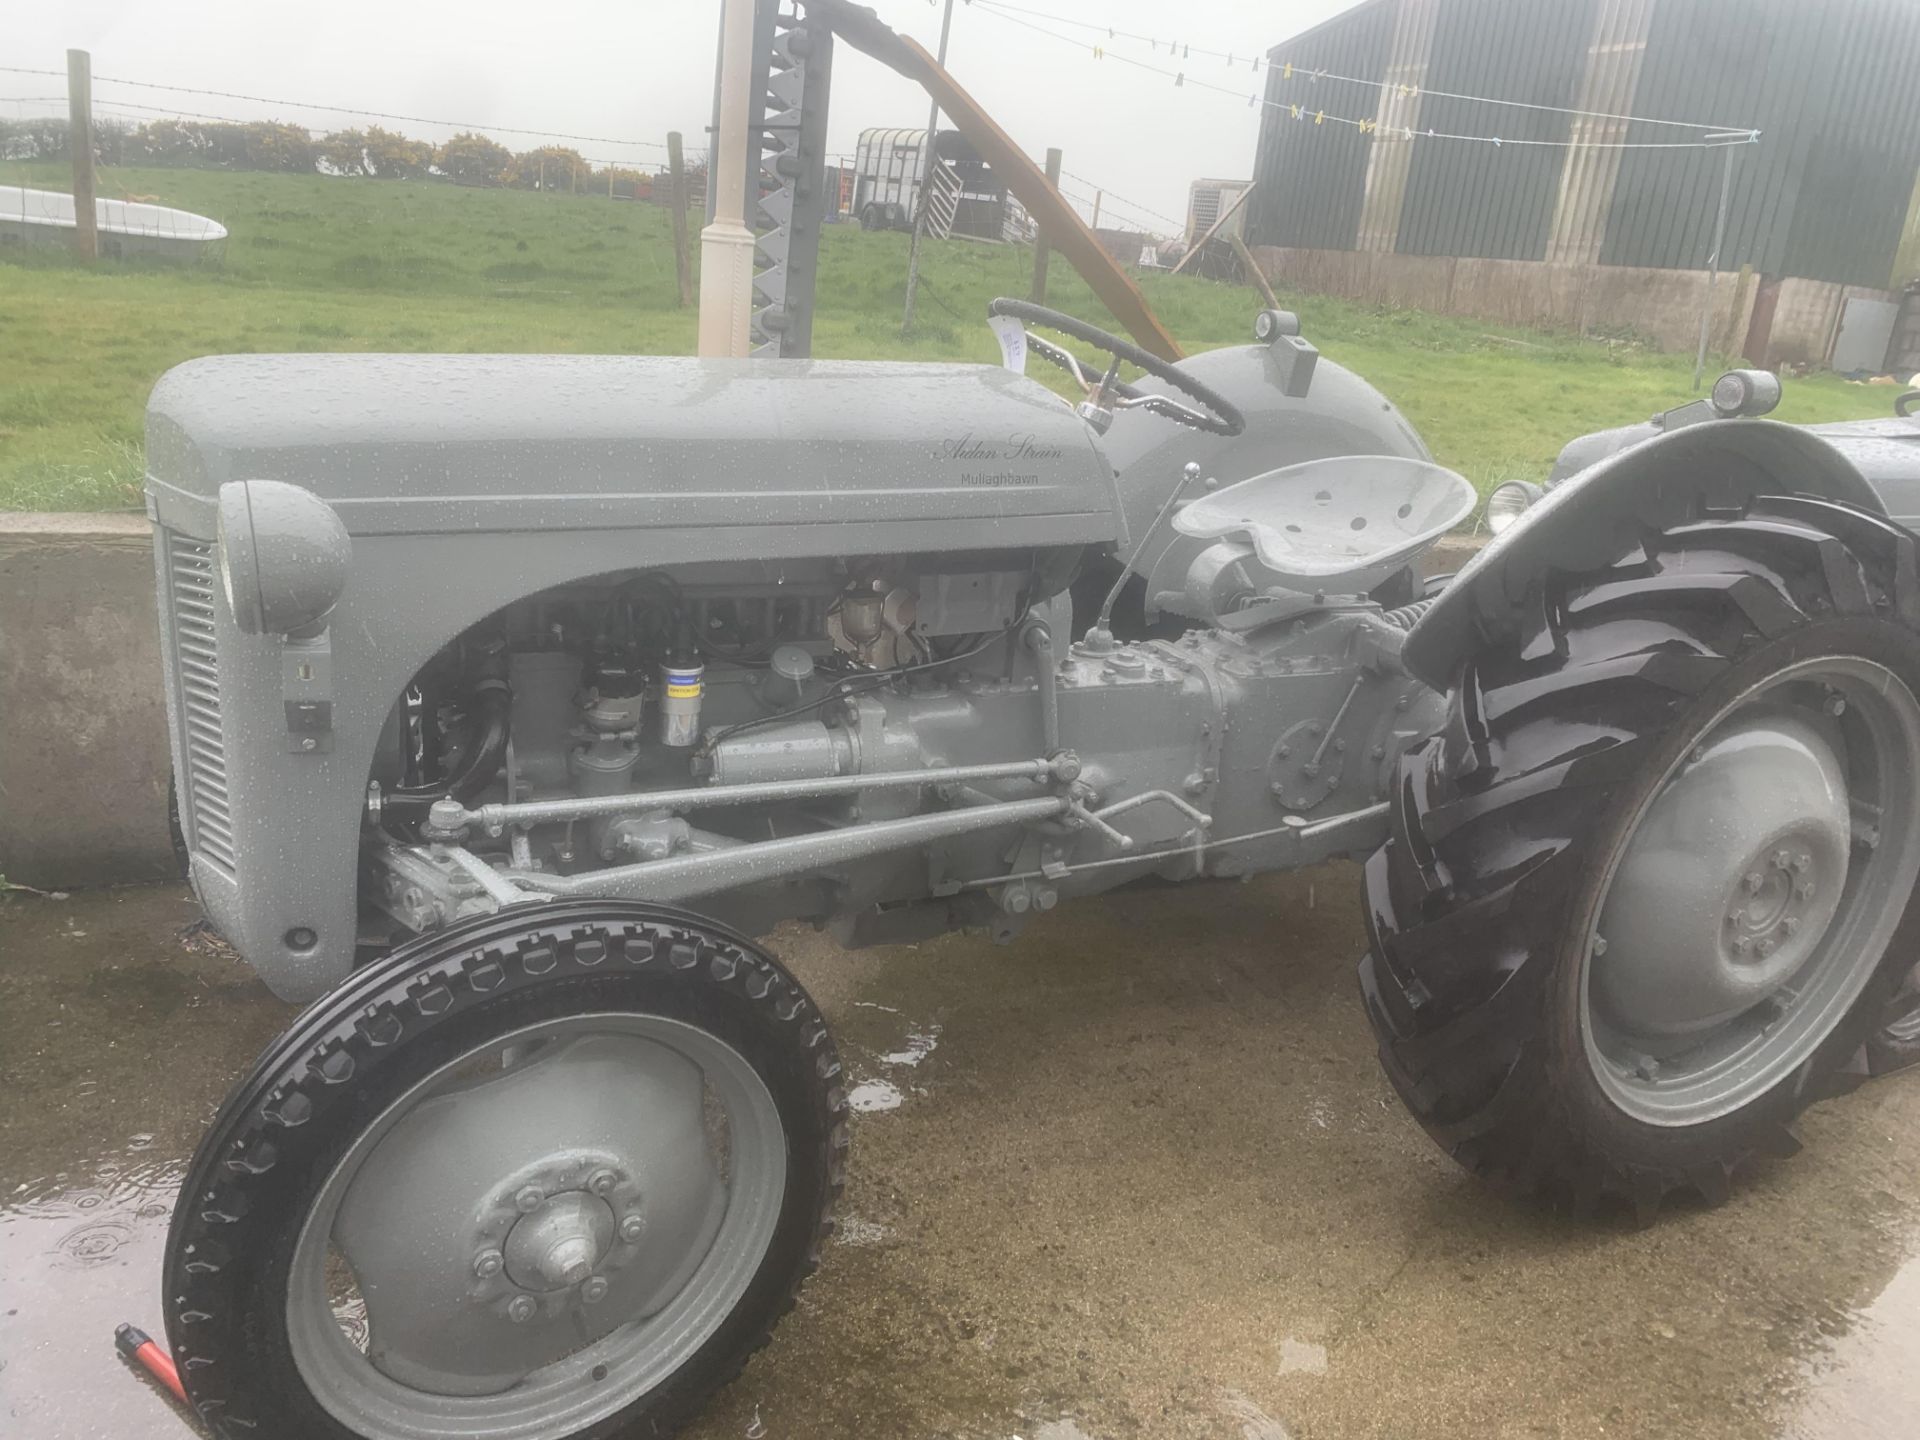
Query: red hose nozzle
[138, 1347]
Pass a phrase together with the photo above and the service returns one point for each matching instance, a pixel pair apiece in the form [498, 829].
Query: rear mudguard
[1608, 507]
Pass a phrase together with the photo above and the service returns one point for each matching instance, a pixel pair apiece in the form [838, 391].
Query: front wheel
[1650, 892]
[550, 1174]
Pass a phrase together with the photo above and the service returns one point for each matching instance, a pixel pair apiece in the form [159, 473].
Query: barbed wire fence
[632, 176]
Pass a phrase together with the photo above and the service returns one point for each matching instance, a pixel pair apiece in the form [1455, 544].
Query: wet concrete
[1136, 1175]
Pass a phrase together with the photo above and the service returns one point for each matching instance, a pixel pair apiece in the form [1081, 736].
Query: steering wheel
[1105, 391]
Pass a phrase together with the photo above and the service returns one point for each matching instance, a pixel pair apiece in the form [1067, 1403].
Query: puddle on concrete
[80, 1253]
[874, 1094]
[1067, 1429]
[1867, 1382]
[1302, 1357]
[852, 1230]
[1142, 1197]
[919, 1045]
[119, 1031]
[869, 1097]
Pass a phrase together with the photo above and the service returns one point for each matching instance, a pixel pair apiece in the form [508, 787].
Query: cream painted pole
[726, 245]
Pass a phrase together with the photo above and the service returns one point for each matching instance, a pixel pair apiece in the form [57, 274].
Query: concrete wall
[1661, 305]
[83, 726]
[1807, 319]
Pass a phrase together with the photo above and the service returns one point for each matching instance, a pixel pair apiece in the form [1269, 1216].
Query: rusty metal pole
[1041, 250]
[926, 185]
[86, 232]
[863, 30]
[677, 209]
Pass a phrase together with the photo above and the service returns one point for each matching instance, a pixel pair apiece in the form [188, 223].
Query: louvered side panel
[197, 675]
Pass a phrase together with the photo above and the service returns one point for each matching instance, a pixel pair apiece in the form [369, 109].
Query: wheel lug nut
[1781, 859]
[594, 1291]
[1765, 947]
[632, 1228]
[528, 1200]
[1791, 924]
[1801, 862]
[1836, 704]
[1742, 945]
[1754, 881]
[487, 1264]
[602, 1182]
[520, 1309]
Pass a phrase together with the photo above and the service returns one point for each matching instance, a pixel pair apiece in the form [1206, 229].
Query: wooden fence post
[677, 208]
[86, 233]
[1040, 246]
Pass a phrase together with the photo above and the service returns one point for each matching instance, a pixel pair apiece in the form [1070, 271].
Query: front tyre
[554, 1173]
[1650, 892]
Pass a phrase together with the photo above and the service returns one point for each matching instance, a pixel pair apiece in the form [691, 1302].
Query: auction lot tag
[1012, 335]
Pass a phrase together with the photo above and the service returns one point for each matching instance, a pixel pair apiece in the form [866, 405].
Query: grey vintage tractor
[511, 695]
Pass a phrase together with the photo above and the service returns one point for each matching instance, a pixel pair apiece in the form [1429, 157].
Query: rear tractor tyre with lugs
[1649, 892]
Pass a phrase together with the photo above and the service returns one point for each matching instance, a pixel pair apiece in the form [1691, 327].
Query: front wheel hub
[561, 1243]
[544, 1207]
[1730, 882]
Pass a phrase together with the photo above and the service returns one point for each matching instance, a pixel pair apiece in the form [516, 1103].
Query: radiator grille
[196, 668]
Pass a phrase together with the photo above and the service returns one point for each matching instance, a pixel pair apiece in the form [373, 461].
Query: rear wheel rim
[657, 1284]
[1755, 892]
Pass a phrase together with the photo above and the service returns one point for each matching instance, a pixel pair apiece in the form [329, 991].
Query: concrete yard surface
[1135, 1175]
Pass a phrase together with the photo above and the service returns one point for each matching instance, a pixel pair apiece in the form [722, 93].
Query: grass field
[317, 263]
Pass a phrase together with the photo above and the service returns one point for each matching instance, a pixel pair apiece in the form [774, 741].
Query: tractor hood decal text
[1014, 447]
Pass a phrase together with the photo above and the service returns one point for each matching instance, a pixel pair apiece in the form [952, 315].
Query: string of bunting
[1713, 138]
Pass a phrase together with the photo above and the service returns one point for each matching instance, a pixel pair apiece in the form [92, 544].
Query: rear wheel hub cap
[1729, 883]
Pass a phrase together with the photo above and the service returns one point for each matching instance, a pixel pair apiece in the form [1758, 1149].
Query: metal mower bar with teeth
[511, 694]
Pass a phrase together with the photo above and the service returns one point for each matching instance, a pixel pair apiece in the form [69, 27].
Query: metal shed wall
[1861, 160]
[1494, 202]
[1835, 89]
[1312, 179]
[1833, 86]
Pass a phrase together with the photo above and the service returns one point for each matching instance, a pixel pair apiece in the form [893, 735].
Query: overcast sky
[639, 68]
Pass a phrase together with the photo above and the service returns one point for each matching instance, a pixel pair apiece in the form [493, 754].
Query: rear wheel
[546, 1175]
[1650, 891]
